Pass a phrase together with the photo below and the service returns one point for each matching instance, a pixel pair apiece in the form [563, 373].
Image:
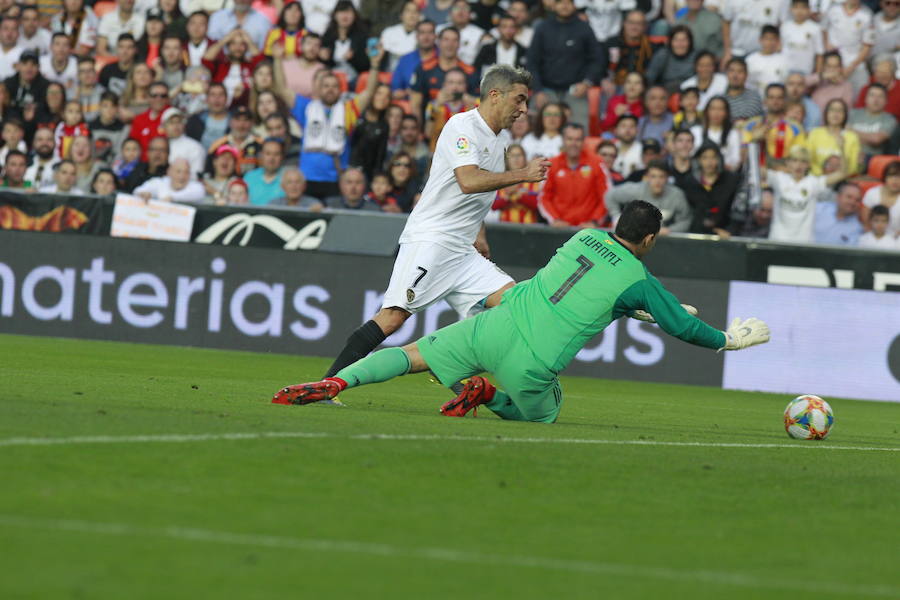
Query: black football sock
[360, 343]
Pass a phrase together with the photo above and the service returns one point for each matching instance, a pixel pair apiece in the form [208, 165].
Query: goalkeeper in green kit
[539, 327]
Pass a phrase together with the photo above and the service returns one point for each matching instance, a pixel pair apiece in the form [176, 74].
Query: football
[808, 417]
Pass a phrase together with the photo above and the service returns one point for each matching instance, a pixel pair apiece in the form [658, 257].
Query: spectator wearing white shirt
[65, 176]
[176, 186]
[44, 159]
[60, 66]
[794, 213]
[316, 15]
[470, 35]
[879, 236]
[887, 28]
[400, 39]
[630, 155]
[849, 29]
[802, 41]
[125, 19]
[31, 35]
[10, 51]
[197, 43]
[605, 16]
[709, 83]
[887, 195]
[546, 140]
[766, 65]
[742, 21]
[180, 145]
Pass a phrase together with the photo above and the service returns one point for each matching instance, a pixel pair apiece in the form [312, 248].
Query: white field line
[262, 435]
[495, 559]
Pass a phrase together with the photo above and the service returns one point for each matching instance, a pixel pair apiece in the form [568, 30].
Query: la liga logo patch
[462, 144]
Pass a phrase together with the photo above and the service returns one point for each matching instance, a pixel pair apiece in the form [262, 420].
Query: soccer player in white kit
[438, 259]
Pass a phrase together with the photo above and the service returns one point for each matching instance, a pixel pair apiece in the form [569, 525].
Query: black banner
[261, 228]
[275, 301]
[53, 213]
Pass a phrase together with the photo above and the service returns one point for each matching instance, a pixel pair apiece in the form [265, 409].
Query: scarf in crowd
[325, 133]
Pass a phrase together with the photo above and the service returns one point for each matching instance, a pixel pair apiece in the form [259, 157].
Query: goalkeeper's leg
[368, 337]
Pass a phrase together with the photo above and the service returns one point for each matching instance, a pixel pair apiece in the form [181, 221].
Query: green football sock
[503, 406]
[375, 368]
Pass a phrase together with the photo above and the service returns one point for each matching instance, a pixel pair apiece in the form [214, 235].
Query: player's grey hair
[502, 78]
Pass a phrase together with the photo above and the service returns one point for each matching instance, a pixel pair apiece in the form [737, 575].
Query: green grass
[348, 516]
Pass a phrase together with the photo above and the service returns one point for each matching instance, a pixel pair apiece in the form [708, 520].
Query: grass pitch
[122, 479]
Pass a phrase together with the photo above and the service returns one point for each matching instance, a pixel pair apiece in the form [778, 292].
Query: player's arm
[474, 180]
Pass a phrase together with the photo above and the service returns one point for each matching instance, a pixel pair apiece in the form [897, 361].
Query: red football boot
[476, 391]
[306, 393]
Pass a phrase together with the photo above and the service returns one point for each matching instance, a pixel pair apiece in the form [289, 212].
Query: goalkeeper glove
[743, 334]
[643, 315]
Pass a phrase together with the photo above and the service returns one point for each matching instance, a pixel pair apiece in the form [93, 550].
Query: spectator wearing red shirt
[148, 124]
[231, 61]
[631, 102]
[575, 186]
[884, 71]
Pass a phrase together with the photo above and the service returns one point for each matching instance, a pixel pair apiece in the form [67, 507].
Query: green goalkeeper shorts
[490, 342]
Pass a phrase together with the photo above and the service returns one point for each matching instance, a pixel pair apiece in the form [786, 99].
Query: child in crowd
[689, 114]
[71, 127]
[131, 158]
[879, 238]
[238, 194]
[767, 65]
[380, 193]
[802, 43]
[13, 135]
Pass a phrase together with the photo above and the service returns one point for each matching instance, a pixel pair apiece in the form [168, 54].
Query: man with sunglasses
[147, 125]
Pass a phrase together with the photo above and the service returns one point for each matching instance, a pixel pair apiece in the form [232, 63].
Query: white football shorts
[425, 273]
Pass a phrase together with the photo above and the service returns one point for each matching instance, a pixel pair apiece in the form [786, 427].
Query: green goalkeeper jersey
[591, 281]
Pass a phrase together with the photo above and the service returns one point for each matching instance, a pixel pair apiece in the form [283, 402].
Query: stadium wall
[269, 300]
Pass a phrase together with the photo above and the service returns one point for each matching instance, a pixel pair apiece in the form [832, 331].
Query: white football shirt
[800, 43]
[763, 69]
[849, 32]
[795, 206]
[747, 18]
[445, 215]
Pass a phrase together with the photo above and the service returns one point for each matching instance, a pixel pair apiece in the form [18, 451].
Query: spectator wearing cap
[240, 17]
[114, 23]
[655, 189]
[31, 35]
[211, 124]
[150, 44]
[180, 145]
[60, 65]
[224, 169]
[264, 182]
[27, 88]
[293, 183]
[65, 178]
[241, 138]
[565, 59]
[156, 165]
[352, 187]
[176, 186]
[146, 125]
[576, 185]
[10, 51]
[231, 61]
[657, 121]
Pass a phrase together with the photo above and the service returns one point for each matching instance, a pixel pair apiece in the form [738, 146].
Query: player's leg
[479, 285]
[376, 368]
[415, 283]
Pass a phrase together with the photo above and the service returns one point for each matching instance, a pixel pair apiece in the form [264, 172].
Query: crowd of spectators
[761, 118]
